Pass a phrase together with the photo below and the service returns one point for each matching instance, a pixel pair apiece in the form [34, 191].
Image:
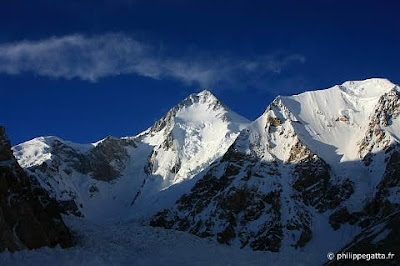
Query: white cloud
[91, 58]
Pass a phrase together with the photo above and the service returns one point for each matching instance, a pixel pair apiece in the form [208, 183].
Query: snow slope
[338, 116]
[135, 244]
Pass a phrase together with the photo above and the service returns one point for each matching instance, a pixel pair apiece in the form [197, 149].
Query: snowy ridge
[347, 125]
[38, 150]
[343, 110]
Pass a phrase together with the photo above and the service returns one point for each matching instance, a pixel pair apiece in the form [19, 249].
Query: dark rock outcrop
[387, 109]
[380, 239]
[221, 206]
[28, 218]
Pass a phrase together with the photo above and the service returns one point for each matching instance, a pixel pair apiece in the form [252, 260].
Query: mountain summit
[124, 175]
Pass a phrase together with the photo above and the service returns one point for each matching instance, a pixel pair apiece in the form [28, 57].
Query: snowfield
[135, 244]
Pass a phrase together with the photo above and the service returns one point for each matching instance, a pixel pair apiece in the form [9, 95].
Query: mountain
[319, 165]
[118, 177]
[315, 166]
[28, 218]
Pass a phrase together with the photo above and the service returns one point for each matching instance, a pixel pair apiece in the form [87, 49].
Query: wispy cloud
[93, 57]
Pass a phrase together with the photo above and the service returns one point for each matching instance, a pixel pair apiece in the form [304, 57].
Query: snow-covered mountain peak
[192, 134]
[200, 108]
[323, 117]
[206, 99]
[203, 101]
[369, 88]
[206, 94]
[40, 149]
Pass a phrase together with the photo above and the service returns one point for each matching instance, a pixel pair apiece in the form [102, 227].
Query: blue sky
[83, 70]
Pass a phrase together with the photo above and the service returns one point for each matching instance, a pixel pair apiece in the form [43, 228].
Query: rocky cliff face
[376, 137]
[28, 217]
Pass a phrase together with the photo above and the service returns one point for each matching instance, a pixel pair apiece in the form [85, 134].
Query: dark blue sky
[83, 70]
